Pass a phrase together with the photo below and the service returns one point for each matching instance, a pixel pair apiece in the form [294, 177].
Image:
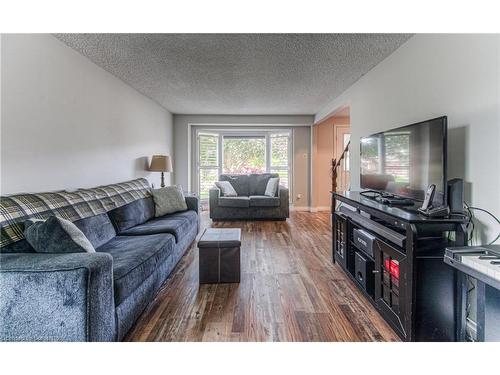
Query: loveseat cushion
[178, 224]
[240, 183]
[98, 229]
[258, 183]
[272, 187]
[135, 258]
[132, 214]
[234, 202]
[264, 201]
[226, 189]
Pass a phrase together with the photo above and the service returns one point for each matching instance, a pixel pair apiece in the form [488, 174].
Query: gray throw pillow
[272, 186]
[226, 189]
[56, 235]
[168, 200]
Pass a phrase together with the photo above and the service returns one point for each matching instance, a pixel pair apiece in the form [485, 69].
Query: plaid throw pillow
[72, 206]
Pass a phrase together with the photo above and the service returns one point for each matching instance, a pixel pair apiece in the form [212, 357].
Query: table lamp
[161, 163]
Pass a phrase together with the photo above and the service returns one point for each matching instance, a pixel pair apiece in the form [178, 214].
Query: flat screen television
[405, 161]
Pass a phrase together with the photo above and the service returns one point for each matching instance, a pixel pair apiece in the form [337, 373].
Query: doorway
[331, 137]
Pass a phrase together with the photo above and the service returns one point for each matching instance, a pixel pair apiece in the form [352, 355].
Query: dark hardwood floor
[289, 291]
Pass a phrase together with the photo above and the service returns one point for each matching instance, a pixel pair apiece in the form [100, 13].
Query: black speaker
[364, 272]
[456, 196]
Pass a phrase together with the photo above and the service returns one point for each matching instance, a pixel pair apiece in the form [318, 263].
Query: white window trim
[244, 133]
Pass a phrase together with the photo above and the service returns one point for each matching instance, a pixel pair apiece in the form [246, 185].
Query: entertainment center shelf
[395, 256]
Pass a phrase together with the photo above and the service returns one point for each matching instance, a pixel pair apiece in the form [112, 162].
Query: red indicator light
[394, 269]
[387, 264]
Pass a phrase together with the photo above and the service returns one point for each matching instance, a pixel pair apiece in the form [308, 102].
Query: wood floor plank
[289, 291]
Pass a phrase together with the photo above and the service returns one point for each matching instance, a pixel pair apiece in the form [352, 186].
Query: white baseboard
[300, 208]
[310, 209]
[320, 209]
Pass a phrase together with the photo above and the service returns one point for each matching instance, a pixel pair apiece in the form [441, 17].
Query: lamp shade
[161, 163]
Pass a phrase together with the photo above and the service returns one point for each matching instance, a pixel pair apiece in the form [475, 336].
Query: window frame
[200, 167]
[221, 133]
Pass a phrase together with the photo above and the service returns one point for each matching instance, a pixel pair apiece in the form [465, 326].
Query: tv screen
[406, 160]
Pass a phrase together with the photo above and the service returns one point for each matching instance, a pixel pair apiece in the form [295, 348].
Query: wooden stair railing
[339, 169]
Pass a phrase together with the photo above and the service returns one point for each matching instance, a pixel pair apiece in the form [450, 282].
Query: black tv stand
[394, 256]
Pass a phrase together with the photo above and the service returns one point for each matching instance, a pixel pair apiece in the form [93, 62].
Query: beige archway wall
[323, 151]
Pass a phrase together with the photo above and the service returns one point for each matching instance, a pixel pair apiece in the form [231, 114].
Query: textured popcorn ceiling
[237, 73]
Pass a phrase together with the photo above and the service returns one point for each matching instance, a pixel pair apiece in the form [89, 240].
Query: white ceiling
[237, 73]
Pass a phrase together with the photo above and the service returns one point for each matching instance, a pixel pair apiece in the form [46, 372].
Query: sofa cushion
[258, 183]
[98, 229]
[56, 235]
[264, 201]
[132, 214]
[239, 183]
[178, 224]
[234, 202]
[22, 246]
[135, 258]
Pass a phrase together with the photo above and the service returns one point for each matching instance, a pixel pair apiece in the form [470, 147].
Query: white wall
[67, 123]
[301, 174]
[430, 76]
[301, 184]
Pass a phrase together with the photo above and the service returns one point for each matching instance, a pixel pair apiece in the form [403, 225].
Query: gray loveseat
[251, 203]
[88, 296]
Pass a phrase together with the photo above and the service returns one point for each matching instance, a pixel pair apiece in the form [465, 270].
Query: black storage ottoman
[219, 255]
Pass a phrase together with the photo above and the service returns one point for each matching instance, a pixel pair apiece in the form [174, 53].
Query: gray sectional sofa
[89, 296]
[251, 203]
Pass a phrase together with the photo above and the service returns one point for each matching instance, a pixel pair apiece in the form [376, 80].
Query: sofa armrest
[193, 203]
[283, 193]
[57, 297]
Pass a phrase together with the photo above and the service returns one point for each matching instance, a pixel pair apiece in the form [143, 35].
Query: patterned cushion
[117, 195]
[168, 200]
[72, 206]
[56, 235]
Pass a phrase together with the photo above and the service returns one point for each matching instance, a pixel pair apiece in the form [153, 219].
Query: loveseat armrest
[193, 203]
[284, 196]
[214, 195]
[57, 297]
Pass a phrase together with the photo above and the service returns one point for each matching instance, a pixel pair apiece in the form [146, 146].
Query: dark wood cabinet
[407, 282]
[391, 273]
